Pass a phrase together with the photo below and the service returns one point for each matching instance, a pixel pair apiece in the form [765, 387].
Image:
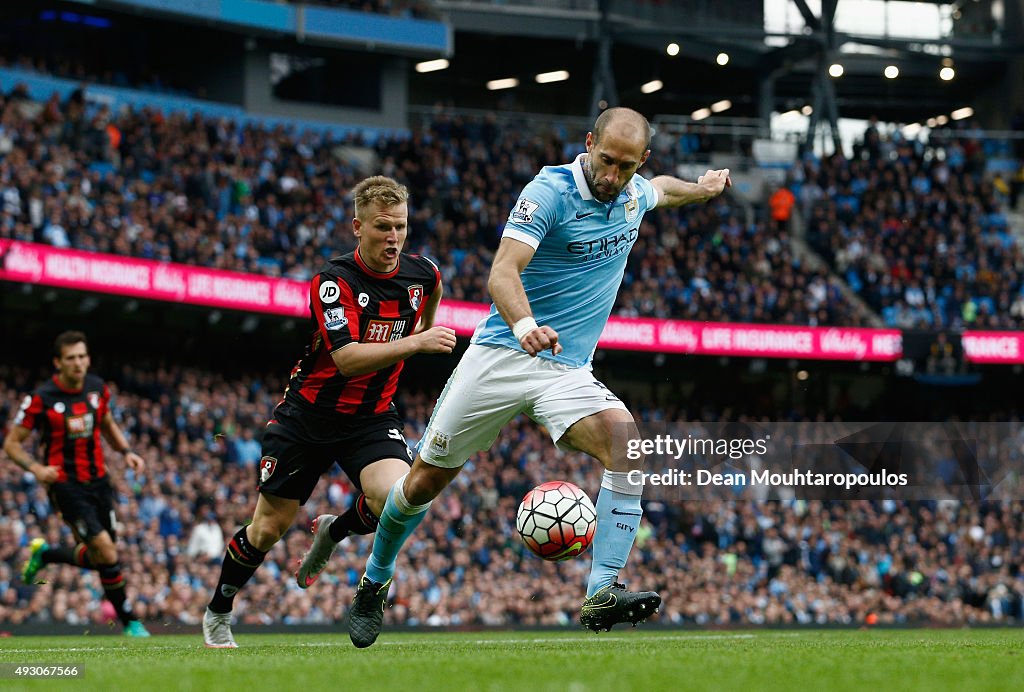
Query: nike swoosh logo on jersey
[625, 514]
[583, 216]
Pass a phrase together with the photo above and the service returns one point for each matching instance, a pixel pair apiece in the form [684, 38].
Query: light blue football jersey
[581, 249]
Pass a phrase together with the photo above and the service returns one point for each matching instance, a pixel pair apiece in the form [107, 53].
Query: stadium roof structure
[674, 60]
[761, 55]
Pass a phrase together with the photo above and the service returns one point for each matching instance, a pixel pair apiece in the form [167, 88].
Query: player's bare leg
[360, 519]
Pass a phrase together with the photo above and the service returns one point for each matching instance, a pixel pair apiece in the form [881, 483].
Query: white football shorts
[491, 386]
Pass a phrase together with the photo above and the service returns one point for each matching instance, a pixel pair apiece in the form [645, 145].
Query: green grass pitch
[649, 660]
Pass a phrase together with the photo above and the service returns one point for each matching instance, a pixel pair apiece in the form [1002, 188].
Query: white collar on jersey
[581, 179]
[581, 183]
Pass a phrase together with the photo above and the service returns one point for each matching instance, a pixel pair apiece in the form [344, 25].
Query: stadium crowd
[216, 193]
[918, 229]
[715, 562]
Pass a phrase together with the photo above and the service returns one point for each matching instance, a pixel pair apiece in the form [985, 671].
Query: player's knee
[378, 479]
[375, 503]
[263, 534]
[620, 463]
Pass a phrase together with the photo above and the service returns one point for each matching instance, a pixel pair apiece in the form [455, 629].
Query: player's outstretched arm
[359, 358]
[115, 438]
[509, 296]
[14, 447]
[673, 192]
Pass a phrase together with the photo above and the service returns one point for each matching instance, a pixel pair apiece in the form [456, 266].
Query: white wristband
[524, 327]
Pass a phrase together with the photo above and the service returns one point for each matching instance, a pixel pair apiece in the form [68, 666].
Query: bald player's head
[617, 146]
[625, 122]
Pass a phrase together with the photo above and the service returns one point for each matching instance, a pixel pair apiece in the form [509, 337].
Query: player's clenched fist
[541, 339]
[45, 474]
[437, 340]
[135, 462]
[715, 181]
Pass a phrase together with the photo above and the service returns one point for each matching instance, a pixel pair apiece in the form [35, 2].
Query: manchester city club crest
[439, 444]
[632, 208]
[415, 296]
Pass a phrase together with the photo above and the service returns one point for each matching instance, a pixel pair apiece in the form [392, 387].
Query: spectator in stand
[941, 360]
[247, 451]
[781, 204]
[206, 541]
[1016, 184]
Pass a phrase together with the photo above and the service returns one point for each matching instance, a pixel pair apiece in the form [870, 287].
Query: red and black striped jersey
[69, 423]
[351, 303]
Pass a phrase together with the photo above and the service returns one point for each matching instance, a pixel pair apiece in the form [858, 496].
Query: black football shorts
[300, 446]
[88, 508]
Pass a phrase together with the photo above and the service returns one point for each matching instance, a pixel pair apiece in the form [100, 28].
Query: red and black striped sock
[359, 520]
[77, 556]
[113, 588]
[241, 560]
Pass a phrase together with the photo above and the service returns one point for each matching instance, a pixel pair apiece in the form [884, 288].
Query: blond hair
[379, 189]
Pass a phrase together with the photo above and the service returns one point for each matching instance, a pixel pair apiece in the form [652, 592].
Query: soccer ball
[557, 521]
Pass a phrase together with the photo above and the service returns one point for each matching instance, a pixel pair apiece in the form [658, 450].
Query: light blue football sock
[397, 522]
[618, 518]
